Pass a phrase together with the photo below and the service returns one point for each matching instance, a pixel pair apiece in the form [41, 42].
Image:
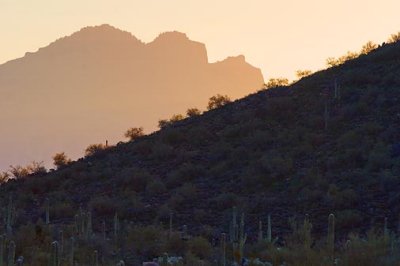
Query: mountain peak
[171, 36]
[104, 32]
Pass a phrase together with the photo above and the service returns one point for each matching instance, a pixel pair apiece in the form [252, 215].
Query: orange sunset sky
[280, 37]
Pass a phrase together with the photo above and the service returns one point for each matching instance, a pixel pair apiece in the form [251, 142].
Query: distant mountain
[96, 83]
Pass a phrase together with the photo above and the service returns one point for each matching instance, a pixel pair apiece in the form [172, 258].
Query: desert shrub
[372, 250]
[218, 101]
[162, 151]
[175, 245]
[163, 213]
[379, 157]
[368, 47]
[103, 205]
[224, 201]
[276, 82]
[151, 239]
[349, 219]
[93, 149]
[34, 168]
[144, 148]
[135, 179]
[188, 191]
[172, 136]
[61, 210]
[163, 123]
[4, 176]
[185, 173]
[395, 37]
[200, 247]
[303, 73]
[193, 112]
[191, 259]
[155, 187]
[60, 160]
[130, 205]
[200, 135]
[176, 118]
[276, 165]
[259, 139]
[200, 215]
[176, 201]
[310, 197]
[134, 133]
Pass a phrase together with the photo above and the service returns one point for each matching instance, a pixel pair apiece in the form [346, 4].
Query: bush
[103, 206]
[35, 168]
[276, 82]
[134, 133]
[193, 112]
[155, 187]
[60, 160]
[93, 149]
[218, 101]
[200, 247]
[4, 176]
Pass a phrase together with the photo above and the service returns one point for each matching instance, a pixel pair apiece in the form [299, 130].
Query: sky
[279, 36]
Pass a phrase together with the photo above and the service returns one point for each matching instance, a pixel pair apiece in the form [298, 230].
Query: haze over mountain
[96, 83]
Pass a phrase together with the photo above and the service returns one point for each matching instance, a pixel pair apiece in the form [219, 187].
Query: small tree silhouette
[276, 82]
[218, 101]
[134, 133]
[94, 148]
[193, 112]
[60, 160]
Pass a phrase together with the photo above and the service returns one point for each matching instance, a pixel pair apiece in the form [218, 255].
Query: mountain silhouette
[96, 83]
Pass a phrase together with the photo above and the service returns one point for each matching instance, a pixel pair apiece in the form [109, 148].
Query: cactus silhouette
[11, 253]
[331, 235]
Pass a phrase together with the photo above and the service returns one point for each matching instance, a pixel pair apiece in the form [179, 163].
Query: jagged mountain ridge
[96, 83]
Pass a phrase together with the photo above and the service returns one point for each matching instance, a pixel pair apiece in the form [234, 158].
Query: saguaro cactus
[243, 237]
[55, 256]
[260, 232]
[184, 234]
[233, 227]
[223, 247]
[2, 238]
[103, 230]
[10, 216]
[121, 263]
[89, 230]
[71, 256]
[307, 226]
[95, 258]
[77, 227]
[11, 253]
[385, 228]
[61, 240]
[337, 92]
[116, 226]
[269, 229]
[331, 235]
[170, 224]
[20, 261]
[240, 237]
[47, 203]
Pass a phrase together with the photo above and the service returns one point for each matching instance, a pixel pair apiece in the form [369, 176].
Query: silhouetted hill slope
[266, 153]
[96, 83]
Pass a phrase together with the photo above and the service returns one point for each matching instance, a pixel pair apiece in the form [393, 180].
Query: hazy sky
[279, 36]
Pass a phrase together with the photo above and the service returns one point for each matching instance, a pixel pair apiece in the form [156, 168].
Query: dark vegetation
[330, 143]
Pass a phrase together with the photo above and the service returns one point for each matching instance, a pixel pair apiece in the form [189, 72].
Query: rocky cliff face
[96, 83]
